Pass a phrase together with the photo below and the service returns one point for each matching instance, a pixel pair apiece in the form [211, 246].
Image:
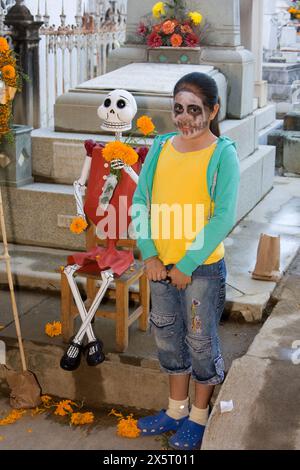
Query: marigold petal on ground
[12, 417]
[53, 329]
[127, 427]
[82, 418]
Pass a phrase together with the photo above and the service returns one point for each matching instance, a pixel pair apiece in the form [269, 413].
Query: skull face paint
[189, 114]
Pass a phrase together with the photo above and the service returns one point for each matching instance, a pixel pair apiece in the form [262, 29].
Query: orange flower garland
[78, 225]
[10, 83]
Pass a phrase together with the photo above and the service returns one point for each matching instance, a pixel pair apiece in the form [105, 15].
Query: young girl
[194, 173]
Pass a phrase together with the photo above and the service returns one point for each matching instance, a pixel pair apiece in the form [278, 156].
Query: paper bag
[25, 391]
[268, 259]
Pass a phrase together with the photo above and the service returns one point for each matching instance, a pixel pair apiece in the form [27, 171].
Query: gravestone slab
[141, 80]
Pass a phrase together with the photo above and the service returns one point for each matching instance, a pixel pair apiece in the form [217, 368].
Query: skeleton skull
[117, 111]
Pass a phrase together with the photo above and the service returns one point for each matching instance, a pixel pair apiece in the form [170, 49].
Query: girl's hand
[179, 279]
[155, 269]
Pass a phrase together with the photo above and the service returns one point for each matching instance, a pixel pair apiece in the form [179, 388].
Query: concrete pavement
[264, 383]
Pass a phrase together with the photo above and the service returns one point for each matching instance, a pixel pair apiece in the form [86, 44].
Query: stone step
[34, 266]
[58, 156]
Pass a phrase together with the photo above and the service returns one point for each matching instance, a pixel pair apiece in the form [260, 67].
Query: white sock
[199, 416]
[178, 408]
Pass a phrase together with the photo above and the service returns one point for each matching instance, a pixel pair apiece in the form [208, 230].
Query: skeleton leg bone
[69, 272]
[71, 359]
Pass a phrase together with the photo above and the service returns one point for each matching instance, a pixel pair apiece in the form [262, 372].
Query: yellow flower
[196, 17]
[145, 125]
[158, 10]
[127, 427]
[78, 225]
[12, 417]
[64, 407]
[53, 329]
[3, 45]
[293, 10]
[82, 418]
[119, 150]
[8, 72]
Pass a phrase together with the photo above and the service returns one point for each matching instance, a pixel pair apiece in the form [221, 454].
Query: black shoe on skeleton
[71, 359]
[94, 353]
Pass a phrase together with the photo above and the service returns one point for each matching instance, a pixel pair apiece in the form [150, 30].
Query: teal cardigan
[224, 168]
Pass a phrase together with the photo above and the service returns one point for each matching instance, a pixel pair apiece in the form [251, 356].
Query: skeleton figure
[117, 112]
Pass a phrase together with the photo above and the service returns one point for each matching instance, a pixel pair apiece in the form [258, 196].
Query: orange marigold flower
[82, 418]
[119, 150]
[3, 45]
[78, 225]
[176, 40]
[168, 27]
[145, 125]
[8, 72]
[46, 399]
[64, 407]
[53, 329]
[127, 427]
[12, 417]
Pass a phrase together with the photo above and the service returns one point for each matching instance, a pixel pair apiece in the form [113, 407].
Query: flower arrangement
[10, 82]
[173, 26]
[294, 10]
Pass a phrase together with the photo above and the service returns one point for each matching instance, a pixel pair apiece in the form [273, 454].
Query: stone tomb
[151, 84]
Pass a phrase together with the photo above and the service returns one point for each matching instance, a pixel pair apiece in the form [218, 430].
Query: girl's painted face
[189, 115]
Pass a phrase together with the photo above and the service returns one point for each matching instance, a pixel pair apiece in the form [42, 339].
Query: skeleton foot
[72, 357]
[94, 353]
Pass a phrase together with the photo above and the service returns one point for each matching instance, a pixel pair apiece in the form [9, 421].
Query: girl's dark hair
[206, 88]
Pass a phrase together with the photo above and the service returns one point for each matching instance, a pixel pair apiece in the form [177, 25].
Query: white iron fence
[72, 54]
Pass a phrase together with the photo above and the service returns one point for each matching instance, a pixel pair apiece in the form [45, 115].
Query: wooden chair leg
[91, 289]
[122, 315]
[67, 319]
[145, 302]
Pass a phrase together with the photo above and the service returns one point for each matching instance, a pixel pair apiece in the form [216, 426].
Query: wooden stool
[121, 315]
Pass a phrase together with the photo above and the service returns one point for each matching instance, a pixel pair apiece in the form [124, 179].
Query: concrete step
[58, 156]
[50, 227]
[276, 214]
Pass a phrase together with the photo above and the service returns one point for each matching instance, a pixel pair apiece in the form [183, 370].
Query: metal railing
[72, 54]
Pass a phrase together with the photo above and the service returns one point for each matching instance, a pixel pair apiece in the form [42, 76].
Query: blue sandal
[188, 437]
[158, 424]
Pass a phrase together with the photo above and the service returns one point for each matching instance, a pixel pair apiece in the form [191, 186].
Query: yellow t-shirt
[180, 202]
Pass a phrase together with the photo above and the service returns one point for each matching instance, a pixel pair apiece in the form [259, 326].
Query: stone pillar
[252, 22]
[270, 28]
[221, 48]
[25, 35]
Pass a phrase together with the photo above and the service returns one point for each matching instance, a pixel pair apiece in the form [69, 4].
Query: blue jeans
[185, 324]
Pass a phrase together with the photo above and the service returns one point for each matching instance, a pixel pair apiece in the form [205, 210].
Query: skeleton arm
[119, 165]
[79, 186]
